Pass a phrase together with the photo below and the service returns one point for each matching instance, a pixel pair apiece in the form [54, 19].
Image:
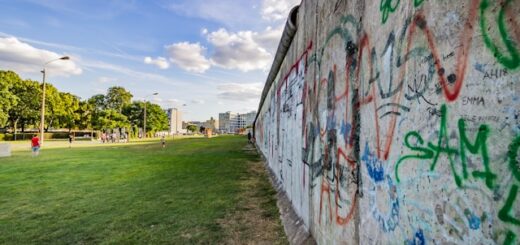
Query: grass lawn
[192, 191]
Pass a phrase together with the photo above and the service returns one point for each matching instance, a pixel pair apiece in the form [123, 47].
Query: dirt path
[257, 221]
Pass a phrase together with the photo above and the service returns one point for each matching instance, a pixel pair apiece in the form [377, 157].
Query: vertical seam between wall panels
[311, 170]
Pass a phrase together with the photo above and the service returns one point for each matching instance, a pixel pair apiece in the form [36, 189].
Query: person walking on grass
[35, 145]
[163, 141]
[70, 140]
[249, 137]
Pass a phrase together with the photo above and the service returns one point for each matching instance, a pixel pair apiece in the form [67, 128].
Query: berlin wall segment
[408, 125]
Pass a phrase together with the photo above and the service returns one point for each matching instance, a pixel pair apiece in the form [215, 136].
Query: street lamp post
[144, 121]
[42, 118]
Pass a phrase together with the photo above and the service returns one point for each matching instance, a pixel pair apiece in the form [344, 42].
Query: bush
[47, 136]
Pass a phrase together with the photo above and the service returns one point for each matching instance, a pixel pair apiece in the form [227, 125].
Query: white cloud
[241, 50]
[160, 62]
[244, 50]
[198, 102]
[189, 56]
[240, 92]
[277, 9]
[22, 57]
[270, 38]
[107, 80]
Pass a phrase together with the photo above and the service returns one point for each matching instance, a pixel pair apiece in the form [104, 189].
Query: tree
[27, 109]
[7, 98]
[84, 115]
[69, 116]
[156, 118]
[135, 113]
[110, 119]
[117, 98]
[202, 129]
[54, 106]
[97, 102]
[96, 105]
[192, 128]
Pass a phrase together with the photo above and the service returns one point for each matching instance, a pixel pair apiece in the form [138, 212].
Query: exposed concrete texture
[294, 227]
[397, 121]
[5, 150]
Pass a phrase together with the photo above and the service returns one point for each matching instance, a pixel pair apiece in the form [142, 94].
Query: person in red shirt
[35, 144]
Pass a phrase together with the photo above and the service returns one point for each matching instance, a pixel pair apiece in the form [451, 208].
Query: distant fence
[49, 136]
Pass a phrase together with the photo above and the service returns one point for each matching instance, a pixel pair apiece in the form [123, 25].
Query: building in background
[232, 122]
[228, 122]
[212, 124]
[196, 123]
[175, 120]
[247, 119]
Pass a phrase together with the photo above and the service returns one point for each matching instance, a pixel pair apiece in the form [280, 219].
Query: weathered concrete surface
[5, 150]
[294, 227]
[397, 121]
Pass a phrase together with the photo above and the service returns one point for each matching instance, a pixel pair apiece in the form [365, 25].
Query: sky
[202, 56]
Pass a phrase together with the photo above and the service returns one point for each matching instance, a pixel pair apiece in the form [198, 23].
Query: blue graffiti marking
[374, 165]
[480, 67]
[331, 122]
[418, 239]
[387, 221]
[345, 131]
[473, 220]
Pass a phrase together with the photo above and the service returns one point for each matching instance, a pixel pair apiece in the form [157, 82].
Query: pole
[42, 118]
[144, 122]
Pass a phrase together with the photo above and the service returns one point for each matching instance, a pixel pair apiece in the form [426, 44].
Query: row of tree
[20, 107]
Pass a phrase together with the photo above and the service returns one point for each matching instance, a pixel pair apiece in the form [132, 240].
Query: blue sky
[212, 55]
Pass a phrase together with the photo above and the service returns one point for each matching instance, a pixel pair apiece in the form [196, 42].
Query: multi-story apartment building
[247, 119]
[228, 122]
[175, 120]
[231, 122]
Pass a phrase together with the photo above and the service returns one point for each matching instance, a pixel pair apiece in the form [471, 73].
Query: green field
[193, 191]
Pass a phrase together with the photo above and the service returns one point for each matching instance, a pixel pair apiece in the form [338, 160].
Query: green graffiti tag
[442, 147]
[511, 62]
[385, 7]
[480, 145]
[512, 154]
[427, 153]
[504, 213]
[443, 137]
[510, 238]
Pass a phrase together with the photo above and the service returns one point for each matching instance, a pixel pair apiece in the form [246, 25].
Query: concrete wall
[5, 150]
[397, 121]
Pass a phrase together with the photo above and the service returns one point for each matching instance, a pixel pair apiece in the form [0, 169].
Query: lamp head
[155, 93]
[65, 58]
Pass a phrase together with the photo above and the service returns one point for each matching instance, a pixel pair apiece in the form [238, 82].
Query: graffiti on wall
[371, 136]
